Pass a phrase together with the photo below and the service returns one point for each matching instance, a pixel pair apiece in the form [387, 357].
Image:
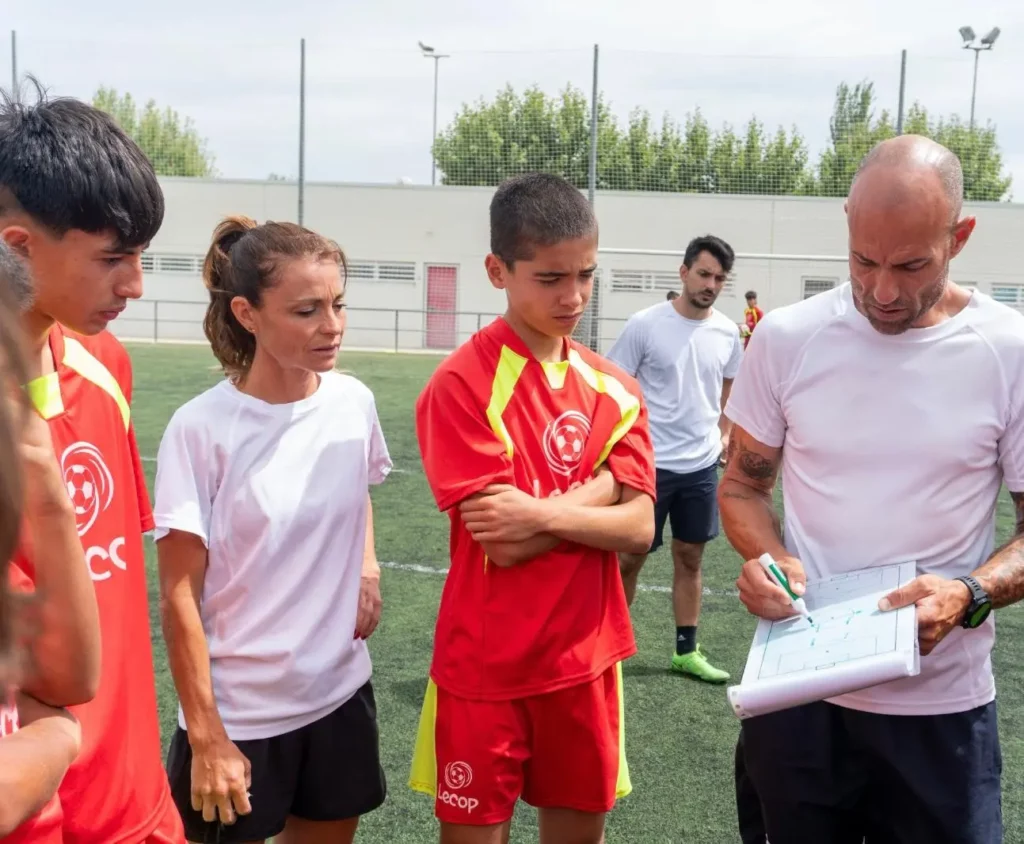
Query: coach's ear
[496, 271]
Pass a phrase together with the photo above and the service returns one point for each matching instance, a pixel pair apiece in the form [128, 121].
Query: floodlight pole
[431, 53]
[592, 175]
[974, 86]
[14, 64]
[302, 130]
[903, 92]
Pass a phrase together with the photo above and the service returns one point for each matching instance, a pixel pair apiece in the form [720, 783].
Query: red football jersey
[491, 414]
[45, 826]
[117, 790]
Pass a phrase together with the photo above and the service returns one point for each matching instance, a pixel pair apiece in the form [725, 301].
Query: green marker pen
[775, 573]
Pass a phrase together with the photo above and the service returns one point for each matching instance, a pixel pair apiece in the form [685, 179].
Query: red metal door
[442, 289]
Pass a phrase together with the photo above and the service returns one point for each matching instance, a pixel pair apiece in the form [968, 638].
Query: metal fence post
[396, 329]
[156, 322]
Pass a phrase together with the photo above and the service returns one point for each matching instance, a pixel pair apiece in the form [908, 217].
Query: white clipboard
[851, 645]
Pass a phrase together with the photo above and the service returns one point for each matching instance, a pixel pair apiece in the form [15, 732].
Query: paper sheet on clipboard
[850, 646]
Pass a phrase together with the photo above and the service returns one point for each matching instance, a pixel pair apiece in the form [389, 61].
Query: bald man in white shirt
[894, 407]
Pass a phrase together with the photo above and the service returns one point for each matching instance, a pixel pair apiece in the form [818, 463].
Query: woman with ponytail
[268, 576]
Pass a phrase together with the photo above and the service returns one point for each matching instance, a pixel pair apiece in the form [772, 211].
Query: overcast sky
[233, 66]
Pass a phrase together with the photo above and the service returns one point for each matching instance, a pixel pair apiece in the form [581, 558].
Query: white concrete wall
[449, 226]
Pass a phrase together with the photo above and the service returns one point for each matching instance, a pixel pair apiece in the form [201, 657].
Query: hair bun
[230, 239]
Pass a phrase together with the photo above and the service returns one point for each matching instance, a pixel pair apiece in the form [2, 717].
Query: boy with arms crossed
[539, 451]
[79, 202]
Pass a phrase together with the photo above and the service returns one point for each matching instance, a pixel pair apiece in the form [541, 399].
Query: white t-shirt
[894, 451]
[680, 364]
[278, 493]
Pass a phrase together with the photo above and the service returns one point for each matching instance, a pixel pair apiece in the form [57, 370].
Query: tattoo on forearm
[1003, 575]
[755, 466]
[739, 496]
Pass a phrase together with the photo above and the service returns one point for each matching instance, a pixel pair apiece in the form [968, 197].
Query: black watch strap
[981, 604]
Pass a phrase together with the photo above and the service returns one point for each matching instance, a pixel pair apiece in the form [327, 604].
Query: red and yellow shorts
[565, 749]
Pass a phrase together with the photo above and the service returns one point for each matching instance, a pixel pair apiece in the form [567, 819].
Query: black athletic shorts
[326, 771]
[689, 503]
[823, 773]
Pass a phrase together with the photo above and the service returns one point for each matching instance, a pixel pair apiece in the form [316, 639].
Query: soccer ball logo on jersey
[89, 483]
[90, 487]
[565, 440]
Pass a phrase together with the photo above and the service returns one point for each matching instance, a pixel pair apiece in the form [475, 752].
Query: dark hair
[242, 261]
[672, 294]
[537, 209]
[715, 246]
[12, 375]
[751, 294]
[69, 166]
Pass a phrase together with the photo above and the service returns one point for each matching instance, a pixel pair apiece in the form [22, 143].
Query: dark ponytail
[232, 345]
[242, 261]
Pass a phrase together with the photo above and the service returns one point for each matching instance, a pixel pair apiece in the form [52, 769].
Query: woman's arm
[33, 760]
[220, 772]
[370, 602]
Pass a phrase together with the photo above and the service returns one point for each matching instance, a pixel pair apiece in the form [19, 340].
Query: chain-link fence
[665, 122]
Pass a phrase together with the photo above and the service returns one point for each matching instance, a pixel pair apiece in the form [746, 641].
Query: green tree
[977, 149]
[490, 141]
[171, 143]
[855, 130]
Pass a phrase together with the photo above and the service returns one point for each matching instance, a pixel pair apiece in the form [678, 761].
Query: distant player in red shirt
[79, 201]
[539, 451]
[37, 741]
[752, 315]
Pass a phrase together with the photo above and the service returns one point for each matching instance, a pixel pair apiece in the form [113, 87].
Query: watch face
[977, 617]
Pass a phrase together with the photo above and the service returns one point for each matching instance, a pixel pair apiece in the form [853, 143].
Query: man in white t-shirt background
[685, 354]
[894, 406]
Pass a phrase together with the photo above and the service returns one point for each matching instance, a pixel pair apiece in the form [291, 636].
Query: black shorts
[824, 773]
[326, 771]
[690, 504]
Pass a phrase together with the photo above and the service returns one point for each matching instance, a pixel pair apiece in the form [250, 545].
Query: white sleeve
[378, 460]
[1011, 443]
[628, 350]
[185, 481]
[735, 358]
[754, 403]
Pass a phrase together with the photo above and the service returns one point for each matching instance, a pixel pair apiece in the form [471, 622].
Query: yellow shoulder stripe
[78, 358]
[602, 382]
[506, 376]
[44, 393]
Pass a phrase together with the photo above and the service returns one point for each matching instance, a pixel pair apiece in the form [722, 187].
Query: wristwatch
[979, 607]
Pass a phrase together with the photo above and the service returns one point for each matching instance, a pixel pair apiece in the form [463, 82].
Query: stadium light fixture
[431, 53]
[986, 43]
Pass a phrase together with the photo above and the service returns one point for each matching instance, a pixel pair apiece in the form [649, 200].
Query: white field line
[416, 568]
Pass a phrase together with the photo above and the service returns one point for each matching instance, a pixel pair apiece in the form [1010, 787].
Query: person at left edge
[37, 741]
[79, 202]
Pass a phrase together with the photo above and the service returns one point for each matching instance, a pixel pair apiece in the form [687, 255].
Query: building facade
[416, 254]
